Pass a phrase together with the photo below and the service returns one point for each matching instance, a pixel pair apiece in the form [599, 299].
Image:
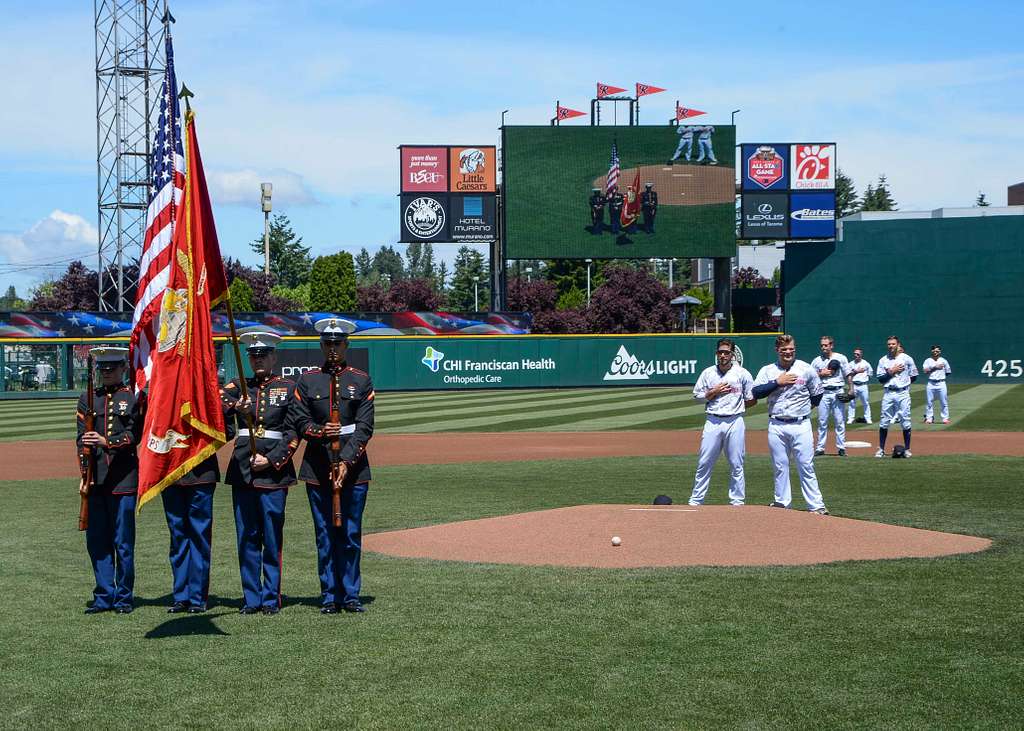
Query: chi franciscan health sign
[472, 170]
[424, 169]
[813, 167]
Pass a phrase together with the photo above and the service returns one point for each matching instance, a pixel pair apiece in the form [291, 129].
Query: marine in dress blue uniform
[110, 536]
[259, 484]
[338, 549]
[188, 507]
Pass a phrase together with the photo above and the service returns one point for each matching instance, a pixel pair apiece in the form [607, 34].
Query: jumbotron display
[619, 192]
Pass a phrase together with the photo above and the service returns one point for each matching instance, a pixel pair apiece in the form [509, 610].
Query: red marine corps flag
[631, 203]
[184, 422]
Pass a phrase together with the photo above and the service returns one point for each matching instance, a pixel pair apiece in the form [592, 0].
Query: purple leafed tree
[631, 301]
[533, 297]
[75, 290]
[413, 295]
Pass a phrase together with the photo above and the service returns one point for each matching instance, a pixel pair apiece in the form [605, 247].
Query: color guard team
[277, 414]
[267, 426]
[830, 383]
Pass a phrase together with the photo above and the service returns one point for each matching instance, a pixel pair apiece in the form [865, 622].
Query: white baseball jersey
[861, 371]
[901, 379]
[686, 132]
[837, 379]
[705, 133]
[731, 402]
[936, 369]
[792, 401]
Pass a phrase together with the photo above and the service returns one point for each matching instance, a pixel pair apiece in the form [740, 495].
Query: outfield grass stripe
[509, 396]
[497, 412]
[511, 422]
[626, 419]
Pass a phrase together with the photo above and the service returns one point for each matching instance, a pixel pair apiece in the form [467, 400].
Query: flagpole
[242, 386]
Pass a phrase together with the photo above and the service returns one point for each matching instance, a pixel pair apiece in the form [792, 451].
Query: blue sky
[315, 96]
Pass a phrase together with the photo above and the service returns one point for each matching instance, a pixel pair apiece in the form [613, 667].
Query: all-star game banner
[578, 192]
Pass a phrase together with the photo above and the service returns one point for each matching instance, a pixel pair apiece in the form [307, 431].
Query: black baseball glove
[845, 397]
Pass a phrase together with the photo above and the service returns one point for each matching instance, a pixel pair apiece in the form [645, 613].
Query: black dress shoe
[96, 610]
[249, 610]
[126, 609]
[177, 608]
[197, 609]
[354, 606]
[329, 608]
[271, 610]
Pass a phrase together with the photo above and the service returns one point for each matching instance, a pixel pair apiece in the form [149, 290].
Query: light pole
[476, 294]
[529, 271]
[671, 281]
[589, 262]
[266, 189]
[733, 117]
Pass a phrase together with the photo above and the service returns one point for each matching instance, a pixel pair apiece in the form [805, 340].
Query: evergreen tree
[420, 260]
[332, 283]
[980, 201]
[388, 261]
[290, 261]
[241, 295]
[11, 300]
[869, 198]
[878, 198]
[469, 263]
[441, 280]
[364, 267]
[846, 195]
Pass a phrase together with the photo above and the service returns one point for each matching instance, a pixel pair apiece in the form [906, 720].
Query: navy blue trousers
[110, 541]
[189, 512]
[259, 525]
[338, 550]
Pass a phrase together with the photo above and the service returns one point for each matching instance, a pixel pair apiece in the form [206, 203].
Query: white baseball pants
[726, 433]
[931, 391]
[830, 405]
[789, 437]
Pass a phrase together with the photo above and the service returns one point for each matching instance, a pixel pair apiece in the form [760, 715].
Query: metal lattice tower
[129, 69]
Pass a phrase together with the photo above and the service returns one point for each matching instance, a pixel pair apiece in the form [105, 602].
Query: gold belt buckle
[260, 432]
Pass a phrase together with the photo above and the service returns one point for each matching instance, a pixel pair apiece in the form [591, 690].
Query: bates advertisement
[812, 215]
[473, 217]
[424, 169]
[813, 167]
[765, 167]
[472, 170]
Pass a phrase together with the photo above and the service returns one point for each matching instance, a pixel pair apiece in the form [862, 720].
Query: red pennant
[685, 113]
[645, 89]
[566, 113]
[604, 90]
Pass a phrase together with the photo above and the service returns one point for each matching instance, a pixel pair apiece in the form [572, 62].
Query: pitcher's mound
[669, 535]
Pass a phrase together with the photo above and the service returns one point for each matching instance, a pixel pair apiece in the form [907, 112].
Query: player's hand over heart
[786, 379]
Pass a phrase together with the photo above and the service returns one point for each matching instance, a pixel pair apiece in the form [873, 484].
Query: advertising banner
[473, 169]
[473, 217]
[765, 167]
[812, 215]
[813, 167]
[424, 169]
[765, 216]
[424, 217]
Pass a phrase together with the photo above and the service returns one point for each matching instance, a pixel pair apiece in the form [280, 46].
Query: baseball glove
[844, 397]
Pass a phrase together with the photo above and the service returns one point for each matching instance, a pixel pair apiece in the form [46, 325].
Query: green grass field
[973, 407]
[908, 643]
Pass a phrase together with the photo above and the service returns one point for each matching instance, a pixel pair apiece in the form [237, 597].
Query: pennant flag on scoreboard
[645, 89]
[631, 207]
[184, 423]
[566, 113]
[604, 90]
[685, 113]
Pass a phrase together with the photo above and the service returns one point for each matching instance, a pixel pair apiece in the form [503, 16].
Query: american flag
[166, 190]
[613, 171]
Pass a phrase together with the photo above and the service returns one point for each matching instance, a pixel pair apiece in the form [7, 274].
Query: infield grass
[985, 407]
[908, 643]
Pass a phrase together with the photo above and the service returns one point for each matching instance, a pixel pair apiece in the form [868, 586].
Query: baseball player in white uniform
[704, 144]
[726, 389]
[860, 374]
[685, 133]
[896, 371]
[834, 370]
[936, 368]
[792, 387]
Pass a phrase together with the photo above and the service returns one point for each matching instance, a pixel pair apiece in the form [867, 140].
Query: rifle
[335, 449]
[90, 456]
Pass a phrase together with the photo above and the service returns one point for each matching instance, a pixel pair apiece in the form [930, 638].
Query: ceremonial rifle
[89, 418]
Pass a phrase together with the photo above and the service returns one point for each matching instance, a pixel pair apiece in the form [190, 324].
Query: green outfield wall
[956, 282]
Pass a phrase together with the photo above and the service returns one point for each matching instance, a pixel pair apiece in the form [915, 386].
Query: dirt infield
[681, 184]
[660, 536]
[53, 459]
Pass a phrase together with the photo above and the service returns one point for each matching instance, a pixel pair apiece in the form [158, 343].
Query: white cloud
[242, 188]
[49, 244]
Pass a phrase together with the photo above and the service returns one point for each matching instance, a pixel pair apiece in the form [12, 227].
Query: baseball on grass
[616, 541]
